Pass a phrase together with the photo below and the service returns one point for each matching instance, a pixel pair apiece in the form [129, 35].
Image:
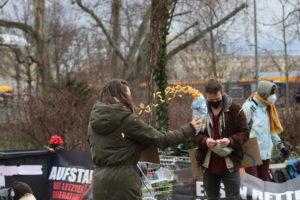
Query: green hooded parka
[117, 137]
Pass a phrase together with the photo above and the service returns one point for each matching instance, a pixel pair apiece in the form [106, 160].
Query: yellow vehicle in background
[5, 93]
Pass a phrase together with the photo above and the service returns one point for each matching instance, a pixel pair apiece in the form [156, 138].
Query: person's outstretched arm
[135, 129]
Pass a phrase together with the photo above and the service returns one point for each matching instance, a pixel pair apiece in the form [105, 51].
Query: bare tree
[160, 21]
[202, 33]
[37, 32]
[22, 62]
[287, 26]
[61, 36]
[141, 37]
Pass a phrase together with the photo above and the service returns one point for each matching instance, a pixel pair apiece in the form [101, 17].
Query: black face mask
[215, 104]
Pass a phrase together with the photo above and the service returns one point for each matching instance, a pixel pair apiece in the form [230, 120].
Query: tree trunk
[56, 63]
[41, 43]
[18, 78]
[286, 69]
[286, 65]
[29, 78]
[157, 63]
[115, 35]
[212, 48]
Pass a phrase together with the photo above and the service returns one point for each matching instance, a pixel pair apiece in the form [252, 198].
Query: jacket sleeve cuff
[204, 142]
[200, 141]
[188, 130]
[280, 145]
[231, 143]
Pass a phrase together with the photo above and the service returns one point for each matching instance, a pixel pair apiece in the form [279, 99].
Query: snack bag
[199, 108]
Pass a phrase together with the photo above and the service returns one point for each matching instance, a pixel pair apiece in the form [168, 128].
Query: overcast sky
[241, 34]
[270, 36]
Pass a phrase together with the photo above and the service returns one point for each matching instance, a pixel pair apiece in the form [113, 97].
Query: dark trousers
[230, 179]
[261, 171]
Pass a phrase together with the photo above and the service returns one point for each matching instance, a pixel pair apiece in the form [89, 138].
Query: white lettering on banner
[297, 195]
[71, 174]
[289, 195]
[278, 196]
[254, 193]
[222, 191]
[60, 173]
[86, 176]
[268, 196]
[199, 189]
[79, 176]
[53, 172]
[72, 177]
[66, 173]
[243, 192]
[257, 195]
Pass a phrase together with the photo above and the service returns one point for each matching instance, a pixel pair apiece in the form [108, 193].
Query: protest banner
[251, 188]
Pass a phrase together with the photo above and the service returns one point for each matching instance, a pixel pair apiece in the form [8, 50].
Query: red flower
[56, 141]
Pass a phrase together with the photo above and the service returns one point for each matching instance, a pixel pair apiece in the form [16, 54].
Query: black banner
[68, 174]
[52, 176]
[71, 175]
[29, 166]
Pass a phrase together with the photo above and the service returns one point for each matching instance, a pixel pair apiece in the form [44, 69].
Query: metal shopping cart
[159, 178]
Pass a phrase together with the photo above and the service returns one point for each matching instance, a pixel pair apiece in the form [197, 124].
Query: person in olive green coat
[117, 137]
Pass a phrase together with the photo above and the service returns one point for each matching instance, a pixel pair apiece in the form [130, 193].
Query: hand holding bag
[221, 151]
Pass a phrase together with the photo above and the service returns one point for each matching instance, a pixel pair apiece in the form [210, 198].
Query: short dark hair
[213, 86]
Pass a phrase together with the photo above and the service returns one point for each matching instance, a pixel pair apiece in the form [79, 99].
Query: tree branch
[1, 6]
[183, 32]
[274, 61]
[283, 19]
[15, 50]
[18, 53]
[24, 27]
[102, 27]
[202, 33]
[182, 13]
[172, 4]
[139, 35]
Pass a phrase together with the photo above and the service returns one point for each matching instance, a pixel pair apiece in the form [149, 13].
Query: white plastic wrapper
[199, 108]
